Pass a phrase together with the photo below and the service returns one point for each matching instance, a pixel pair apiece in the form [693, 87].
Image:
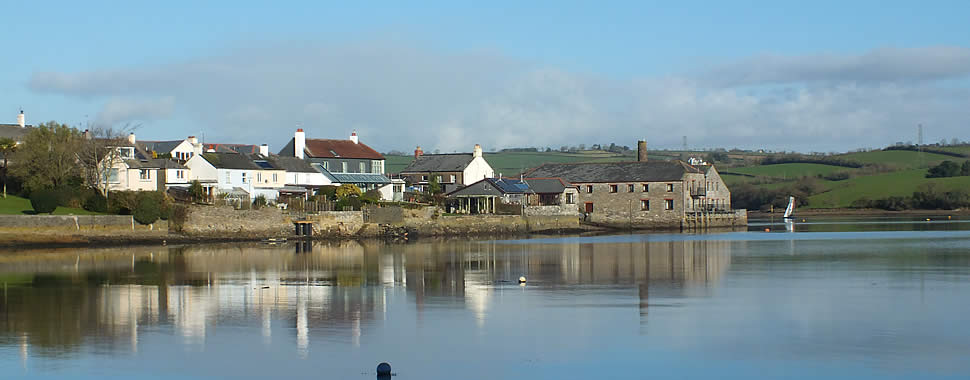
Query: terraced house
[645, 194]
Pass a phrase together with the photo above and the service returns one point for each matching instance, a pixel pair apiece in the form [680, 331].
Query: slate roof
[160, 146]
[493, 186]
[292, 164]
[650, 171]
[454, 162]
[222, 160]
[232, 148]
[323, 148]
[13, 131]
[546, 185]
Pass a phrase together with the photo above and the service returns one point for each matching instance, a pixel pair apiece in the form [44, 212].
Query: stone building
[645, 194]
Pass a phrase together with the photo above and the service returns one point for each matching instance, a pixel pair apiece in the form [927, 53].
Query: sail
[791, 207]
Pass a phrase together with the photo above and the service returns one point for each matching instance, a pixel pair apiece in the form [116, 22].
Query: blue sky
[825, 76]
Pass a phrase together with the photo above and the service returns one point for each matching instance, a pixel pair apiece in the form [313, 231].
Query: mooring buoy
[522, 279]
[383, 369]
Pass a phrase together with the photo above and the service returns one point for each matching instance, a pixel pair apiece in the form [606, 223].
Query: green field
[789, 170]
[898, 158]
[513, 163]
[962, 149]
[14, 205]
[901, 183]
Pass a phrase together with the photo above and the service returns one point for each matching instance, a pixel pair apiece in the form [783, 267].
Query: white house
[452, 171]
[342, 161]
[236, 172]
[180, 150]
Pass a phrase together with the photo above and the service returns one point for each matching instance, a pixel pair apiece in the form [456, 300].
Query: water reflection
[803, 298]
[59, 301]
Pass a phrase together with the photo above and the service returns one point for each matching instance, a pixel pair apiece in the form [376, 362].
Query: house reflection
[62, 300]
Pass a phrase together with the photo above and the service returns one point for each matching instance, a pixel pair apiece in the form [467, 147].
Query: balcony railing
[698, 192]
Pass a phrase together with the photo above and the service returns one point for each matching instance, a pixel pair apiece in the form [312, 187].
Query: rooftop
[650, 171]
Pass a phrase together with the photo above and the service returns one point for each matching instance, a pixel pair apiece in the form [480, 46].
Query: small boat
[791, 207]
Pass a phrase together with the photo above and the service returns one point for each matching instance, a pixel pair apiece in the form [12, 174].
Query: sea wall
[65, 223]
[227, 222]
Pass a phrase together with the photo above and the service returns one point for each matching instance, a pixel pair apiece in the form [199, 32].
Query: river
[823, 298]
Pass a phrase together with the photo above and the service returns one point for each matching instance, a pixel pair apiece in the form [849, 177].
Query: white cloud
[399, 96]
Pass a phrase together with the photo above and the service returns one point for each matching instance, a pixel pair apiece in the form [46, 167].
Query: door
[589, 207]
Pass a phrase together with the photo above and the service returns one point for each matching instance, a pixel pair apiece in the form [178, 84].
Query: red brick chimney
[418, 152]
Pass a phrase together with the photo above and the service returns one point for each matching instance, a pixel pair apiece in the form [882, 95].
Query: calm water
[836, 298]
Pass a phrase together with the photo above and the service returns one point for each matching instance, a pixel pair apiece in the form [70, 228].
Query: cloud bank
[397, 96]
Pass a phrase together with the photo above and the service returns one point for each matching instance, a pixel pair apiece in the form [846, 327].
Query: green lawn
[962, 149]
[14, 205]
[789, 170]
[512, 163]
[901, 183]
[898, 158]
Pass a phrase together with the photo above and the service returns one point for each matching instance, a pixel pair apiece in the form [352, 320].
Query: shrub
[44, 201]
[96, 202]
[944, 169]
[180, 214]
[348, 190]
[196, 192]
[371, 196]
[351, 203]
[147, 211]
[259, 202]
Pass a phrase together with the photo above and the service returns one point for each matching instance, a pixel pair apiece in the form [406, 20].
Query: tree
[348, 190]
[434, 187]
[7, 147]
[944, 169]
[98, 153]
[196, 191]
[48, 157]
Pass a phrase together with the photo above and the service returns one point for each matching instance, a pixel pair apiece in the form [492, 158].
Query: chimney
[196, 147]
[299, 143]
[193, 140]
[478, 151]
[642, 151]
[87, 134]
[264, 150]
[353, 137]
[131, 138]
[20, 119]
[418, 152]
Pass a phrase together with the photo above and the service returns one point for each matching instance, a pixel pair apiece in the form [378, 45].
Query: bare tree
[100, 152]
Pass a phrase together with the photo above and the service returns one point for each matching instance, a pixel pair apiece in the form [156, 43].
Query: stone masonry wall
[623, 208]
[226, 222]
[11, 223]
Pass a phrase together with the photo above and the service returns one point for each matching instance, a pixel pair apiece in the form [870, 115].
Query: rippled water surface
[827, 298]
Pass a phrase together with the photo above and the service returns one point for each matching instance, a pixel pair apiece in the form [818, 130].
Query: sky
[778, 75]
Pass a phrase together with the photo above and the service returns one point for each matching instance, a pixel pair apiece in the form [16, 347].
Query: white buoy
[522, 279]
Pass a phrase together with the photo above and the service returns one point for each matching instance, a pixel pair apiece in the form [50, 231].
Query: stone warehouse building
[647, 194]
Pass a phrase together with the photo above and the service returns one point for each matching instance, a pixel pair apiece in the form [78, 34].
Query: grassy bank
[14, 205]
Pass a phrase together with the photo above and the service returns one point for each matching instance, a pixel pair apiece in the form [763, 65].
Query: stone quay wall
[64, 223]
[227, 222]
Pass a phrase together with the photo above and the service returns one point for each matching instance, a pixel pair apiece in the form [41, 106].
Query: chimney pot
[353, 137]
[131, 138]
[418, 152]
[299, 143]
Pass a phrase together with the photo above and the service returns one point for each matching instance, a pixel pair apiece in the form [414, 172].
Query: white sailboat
[791, 207]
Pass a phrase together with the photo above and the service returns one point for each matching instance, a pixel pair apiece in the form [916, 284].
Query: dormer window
[126, 152]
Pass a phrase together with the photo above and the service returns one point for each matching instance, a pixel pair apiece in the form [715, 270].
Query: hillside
[513, 163]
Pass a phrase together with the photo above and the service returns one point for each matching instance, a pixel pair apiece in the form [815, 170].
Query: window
[377, 167]
[228, 178]
[424, 178]
[259, 177]
[589, 207]
[613, 188]
[569, 198]
[668, 204]
[589, 189]
[646, 188]
[343, 166]
[244, 177]
[438, 178]
[325, 165]
[670, 187]
[644, 205]
[275, 178]
[631, 188]
[178, 174]
[145, 174]
[362, 167]
[451, 178]
[113, 175]
[127, 152]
